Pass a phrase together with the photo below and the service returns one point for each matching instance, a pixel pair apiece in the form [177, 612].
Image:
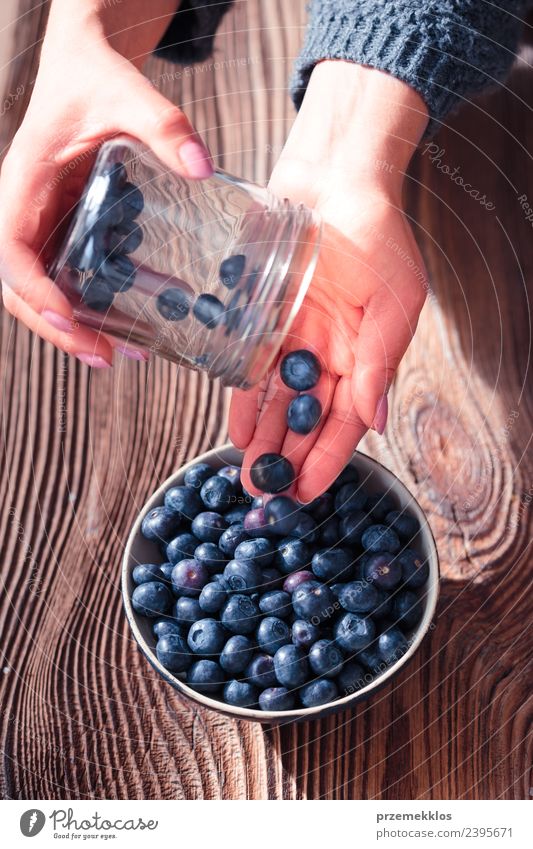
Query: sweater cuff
[191, 32]
[446, 50]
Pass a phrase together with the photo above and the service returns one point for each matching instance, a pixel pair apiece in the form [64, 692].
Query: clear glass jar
[209, 274]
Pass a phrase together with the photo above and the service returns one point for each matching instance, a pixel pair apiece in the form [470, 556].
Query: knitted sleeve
[447, 50]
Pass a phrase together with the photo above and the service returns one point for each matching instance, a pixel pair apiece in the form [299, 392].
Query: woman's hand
[88, 89]
[347, 162]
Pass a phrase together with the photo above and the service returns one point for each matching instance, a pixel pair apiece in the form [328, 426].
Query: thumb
[141, 111]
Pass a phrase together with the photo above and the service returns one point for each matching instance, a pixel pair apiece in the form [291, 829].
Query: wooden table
[83, 715]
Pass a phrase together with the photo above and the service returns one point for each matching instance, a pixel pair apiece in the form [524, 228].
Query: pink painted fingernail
[380, 418]
[196, 159]
[56, 320]
[93, 360]
[132, 353]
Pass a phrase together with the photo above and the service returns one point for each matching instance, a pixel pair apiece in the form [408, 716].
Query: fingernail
[93, 360]
[132, 353]
[196, 159]
[380, 418]
[56, 320]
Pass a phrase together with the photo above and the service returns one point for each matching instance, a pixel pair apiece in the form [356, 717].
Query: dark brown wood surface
[83, 715]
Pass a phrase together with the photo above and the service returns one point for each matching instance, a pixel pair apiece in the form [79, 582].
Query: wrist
[359, 124]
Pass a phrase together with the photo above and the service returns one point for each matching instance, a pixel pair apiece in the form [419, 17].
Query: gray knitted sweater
[448, 50]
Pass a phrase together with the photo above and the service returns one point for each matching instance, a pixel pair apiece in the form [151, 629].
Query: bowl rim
[220, 455]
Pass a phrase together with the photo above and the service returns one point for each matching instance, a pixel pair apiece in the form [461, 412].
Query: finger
[91, 347]
[140, 110]
[387, 327]
[335, 445]
[296, 447]
[243, 413]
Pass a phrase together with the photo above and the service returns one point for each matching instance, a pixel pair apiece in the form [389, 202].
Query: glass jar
[209, 274]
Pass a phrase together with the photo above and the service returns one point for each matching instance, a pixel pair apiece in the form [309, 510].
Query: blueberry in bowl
[274, 617]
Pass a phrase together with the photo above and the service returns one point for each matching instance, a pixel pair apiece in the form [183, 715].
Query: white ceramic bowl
[376, 479]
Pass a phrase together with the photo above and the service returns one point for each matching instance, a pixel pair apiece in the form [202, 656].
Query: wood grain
[83, 716]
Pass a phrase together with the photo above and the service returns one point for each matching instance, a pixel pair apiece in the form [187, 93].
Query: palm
[358, 317]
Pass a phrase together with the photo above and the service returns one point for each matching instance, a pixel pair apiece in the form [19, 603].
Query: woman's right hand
[89, 88]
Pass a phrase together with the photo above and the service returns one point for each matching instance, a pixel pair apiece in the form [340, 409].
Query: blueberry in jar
[281, 515]
[118, 271]
[272, 633]
[293, 554]
[276, 603]
[300, 370]
[314, 601]
[383, 570]
[240, 694]
[240, 614]
[318, 692]
[197, 475]
[260, 671]
[181, 547]
[207, 636]
[231, 538]
[325, 659]
[208, 526]
[217, 493]
[145, 572]
[291, 666]
[97, 294]
[172, 651]
[272, 473]
[160, 524]
[380, 538]
[391, 645]
[132, 200]
[304, 633]
[276, 698]
[231, 270]
[184, 500]
[243, 576]
[354, 632]
[236, 654]
[125, 237]
[174, 304]
[206, 676]
[208, 310]
[152, 599]
[303, 414]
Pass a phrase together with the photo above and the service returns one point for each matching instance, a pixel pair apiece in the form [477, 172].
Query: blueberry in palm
[300, 370]
[303, 414]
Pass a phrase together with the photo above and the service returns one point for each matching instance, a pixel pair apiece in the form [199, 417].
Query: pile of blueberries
[274, 604]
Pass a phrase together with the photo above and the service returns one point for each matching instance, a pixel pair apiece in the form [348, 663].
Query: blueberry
[354, 632]
[260, 549]
[125, 237]
[391, 645]
[331, 564]
[314, 601]
[237, 514]
[348, 475]
[231, 270]
[371, 660]
[118, 271]
[276, 698]
[295, 579]
[379, 505]
[217, 493]
[281, 515]
[349, 498]
[145, 572]
[322, 507]
[352, 526]
[260, 671]
[257, 502]
[197, 475]
[306, 528]
[276, 603]
[231, 538]
[97, 294]
[272, 473]
[303, 633]
[415, 569]
[174, 303]
[325, 658]
[181, 547]
[187, 610]
[383, 570]
[330, 532]
[189, 577]
[407, 609]
[232, 474]
[291, 666]
[240, 614]
[210, 555]
[240, 694]
[234, 312]
[358, 597]
[166, 571]
[132, 200]
[243, 576]
[236, 654]
[160, 525]
[272, 633]
[380, 538]
[208, 310]
[173, 653]
[293, 554]
[162, 627]
[255, 523]
[272, 579]
[318, 692]
[184, 500]
[213, 597]
[117, 176]
[208, 526]
[303, 413]
[152, 599]
[300, 370]
[110, 212]
[206, 676]
[405, 525]
[383, 607]
[351, 678]
[207, 636]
